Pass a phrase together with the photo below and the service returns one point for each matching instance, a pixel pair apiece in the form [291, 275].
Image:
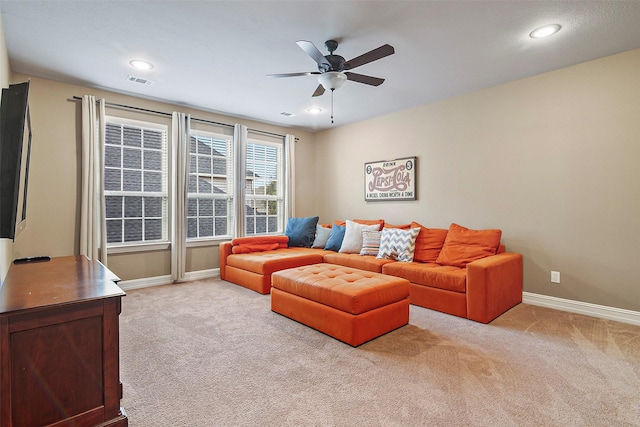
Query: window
[264, 187]
[233, 187]
[210, 186]
[135, 181]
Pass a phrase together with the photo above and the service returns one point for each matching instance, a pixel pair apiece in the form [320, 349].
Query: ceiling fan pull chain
[332, 90]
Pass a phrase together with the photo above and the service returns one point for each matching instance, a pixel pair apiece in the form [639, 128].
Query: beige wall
[6, 245]
[54, 181]
[552, 160]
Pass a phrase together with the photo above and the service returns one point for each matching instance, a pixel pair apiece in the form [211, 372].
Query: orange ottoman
[351, 305]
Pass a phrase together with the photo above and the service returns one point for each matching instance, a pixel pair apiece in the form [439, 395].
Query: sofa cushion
[370, 242]
[429, 274]
[256, 247]
[322, 235]
[335, 238]
[464, 245]
[352, 241]
[428, 243]
[402, 226]
[368, 263]
[259, 240]
[301, 231]
[398, 244]
[267, 262]
[249, 244]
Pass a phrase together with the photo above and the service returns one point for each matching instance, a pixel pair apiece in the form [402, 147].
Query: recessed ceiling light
[314, 110]
[141, 65]
[545, 31]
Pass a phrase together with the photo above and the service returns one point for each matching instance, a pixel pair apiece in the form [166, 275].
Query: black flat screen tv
[15, 151]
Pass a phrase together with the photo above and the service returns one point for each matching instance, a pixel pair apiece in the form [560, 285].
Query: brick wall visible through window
[135, 181]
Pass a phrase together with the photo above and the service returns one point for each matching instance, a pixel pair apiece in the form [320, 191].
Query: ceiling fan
[333, 69]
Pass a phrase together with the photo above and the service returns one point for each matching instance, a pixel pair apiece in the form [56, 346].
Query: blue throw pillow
[301, 231]
[336, 237]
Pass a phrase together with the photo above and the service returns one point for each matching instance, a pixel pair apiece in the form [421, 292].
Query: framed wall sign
[390, 180]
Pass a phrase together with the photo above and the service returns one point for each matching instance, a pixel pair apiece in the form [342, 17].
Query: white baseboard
[588, 309]
[148, 282]
[202, 274]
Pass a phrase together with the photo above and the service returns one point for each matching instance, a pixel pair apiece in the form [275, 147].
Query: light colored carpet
[210, 353]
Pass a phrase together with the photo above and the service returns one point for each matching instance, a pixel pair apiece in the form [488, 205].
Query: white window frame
[278, 198]
[142, 245]
[229, 194]
[236, 175]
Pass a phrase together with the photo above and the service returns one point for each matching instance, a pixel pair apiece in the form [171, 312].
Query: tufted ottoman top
[347, 289]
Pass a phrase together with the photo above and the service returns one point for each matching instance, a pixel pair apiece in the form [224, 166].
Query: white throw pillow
[352, 242]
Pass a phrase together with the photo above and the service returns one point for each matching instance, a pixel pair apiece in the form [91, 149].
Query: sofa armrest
[225, 251]
[494, 285]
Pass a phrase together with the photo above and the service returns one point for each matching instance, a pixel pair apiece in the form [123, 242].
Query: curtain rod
[161, 113]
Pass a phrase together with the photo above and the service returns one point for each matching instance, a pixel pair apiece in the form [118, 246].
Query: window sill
[207, 242]
[162, 246]
[138, 247]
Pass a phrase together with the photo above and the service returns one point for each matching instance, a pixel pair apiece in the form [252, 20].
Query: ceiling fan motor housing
[337, 63]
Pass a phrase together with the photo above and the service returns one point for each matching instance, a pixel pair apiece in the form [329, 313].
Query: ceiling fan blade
[372, 55]
[361, 78]
[314, 53]
[319, 91]
[309, 73]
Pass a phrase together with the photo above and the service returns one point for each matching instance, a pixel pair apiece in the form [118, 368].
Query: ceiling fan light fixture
[314, 110]
[545, 31]
[332, 80]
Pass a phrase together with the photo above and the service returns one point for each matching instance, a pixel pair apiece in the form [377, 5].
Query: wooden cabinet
[59, 345]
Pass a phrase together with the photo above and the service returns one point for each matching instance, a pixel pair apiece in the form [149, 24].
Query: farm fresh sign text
[390, 180]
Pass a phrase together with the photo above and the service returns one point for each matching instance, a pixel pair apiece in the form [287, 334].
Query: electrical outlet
[555, 277]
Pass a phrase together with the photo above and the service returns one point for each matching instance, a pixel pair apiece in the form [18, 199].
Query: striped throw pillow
[370, 243]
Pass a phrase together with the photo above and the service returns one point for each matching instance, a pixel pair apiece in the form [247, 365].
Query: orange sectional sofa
[463, 272]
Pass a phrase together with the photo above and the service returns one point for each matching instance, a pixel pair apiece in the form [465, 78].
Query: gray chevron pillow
[398, 244]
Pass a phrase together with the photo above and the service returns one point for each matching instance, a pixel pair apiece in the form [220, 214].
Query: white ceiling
[215, 55]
